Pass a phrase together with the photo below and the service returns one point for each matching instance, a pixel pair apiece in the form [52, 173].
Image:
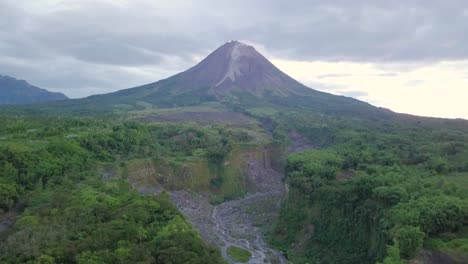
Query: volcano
[235, 75]
[237, 67]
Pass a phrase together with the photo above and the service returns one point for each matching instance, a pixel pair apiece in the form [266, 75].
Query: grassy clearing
[239, 254]
[262, 111]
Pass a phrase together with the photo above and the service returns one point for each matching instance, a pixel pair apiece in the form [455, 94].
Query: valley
[240, 222]
[243, 221]
[235, 223]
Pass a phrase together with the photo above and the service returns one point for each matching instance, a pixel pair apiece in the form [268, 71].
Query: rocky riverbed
[238, 222]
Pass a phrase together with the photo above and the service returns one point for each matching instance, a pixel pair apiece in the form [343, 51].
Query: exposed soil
[8, 219]
[426, 256]
[240, 222]
[298, 142]
[260, 170]
[203, 118]
[344, 175]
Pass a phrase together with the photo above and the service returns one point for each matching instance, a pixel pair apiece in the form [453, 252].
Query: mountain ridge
[15, 92]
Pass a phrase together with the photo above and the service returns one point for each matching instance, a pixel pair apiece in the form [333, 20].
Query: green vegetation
[375, 192]
[239, 254]
[48, 166]
[172, 147]
[99, 222]
[455, 244]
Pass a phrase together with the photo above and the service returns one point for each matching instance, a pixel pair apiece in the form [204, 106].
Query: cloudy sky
[407, 55]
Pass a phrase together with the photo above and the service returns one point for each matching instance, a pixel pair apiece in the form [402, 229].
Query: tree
[393, 255]
[8, 195]
[410, 239]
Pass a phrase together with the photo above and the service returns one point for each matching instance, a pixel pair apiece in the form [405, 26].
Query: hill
[14, 92]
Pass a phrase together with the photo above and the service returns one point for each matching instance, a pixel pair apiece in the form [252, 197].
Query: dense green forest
[370, 191]
[67, 213]
[374, 191]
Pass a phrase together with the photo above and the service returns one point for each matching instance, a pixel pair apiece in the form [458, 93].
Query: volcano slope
[235, 75]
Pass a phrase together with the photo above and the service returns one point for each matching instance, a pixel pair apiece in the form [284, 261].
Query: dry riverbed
[242, 222]
[234, 223]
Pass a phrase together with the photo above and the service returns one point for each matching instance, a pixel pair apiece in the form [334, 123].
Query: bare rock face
[237, 67]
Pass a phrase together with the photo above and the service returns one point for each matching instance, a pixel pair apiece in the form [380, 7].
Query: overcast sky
[409, 56]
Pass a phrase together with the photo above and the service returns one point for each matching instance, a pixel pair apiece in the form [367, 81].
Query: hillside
[57, 205]
[15, 92]
[374, 192]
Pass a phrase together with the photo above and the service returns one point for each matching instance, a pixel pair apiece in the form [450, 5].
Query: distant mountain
[14, 92]
[235, 75]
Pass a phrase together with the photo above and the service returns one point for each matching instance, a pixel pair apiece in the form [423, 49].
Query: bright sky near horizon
[437, 90]
[409, 56]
